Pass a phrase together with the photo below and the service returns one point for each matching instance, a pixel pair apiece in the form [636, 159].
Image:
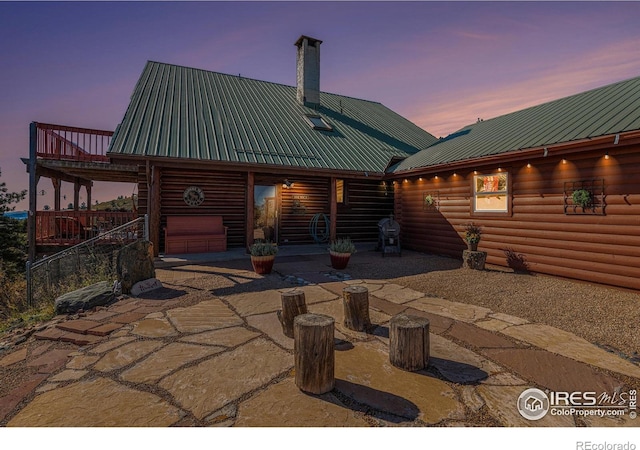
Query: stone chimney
[308, 71]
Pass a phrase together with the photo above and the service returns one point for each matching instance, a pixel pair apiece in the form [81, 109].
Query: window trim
[474, 195]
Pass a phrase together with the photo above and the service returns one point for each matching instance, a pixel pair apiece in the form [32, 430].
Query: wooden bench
[194, 234]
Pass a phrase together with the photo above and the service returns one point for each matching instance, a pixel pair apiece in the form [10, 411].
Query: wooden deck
[67, 228]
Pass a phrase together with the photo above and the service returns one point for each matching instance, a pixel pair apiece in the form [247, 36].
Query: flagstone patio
[212, 356]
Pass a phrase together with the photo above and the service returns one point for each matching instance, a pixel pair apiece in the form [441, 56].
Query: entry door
[265, 214]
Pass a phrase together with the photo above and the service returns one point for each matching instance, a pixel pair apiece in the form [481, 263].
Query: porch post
[33, 190]
[333, 209]
[250, 205]
[154, 210]
[88, 187]
[76, 195]
[56, 193]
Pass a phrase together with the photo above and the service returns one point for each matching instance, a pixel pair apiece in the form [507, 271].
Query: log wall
[225, 194]
[306, 198]
[537, 235]
[366, 202]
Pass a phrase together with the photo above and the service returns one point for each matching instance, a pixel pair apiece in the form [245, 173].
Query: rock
[85, 298]
[134, 264]
[145, 286]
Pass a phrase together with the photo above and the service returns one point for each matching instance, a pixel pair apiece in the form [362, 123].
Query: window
[318, 123]
[339, 191]
[490, 193]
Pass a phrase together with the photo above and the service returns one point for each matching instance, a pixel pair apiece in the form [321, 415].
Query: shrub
[342, 245]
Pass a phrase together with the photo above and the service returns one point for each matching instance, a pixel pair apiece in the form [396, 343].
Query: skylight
[318, 123]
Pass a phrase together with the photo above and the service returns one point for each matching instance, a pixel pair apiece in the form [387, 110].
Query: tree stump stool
[293, 304]
[356, 308]
[409, 342]
[473, 260]
[313, 349]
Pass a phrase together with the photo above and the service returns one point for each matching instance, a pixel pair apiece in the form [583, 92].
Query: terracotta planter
[473, 246]
[339, 260]
[262, 265]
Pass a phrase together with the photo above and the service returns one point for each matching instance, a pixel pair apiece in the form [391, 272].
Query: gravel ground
[605, 316]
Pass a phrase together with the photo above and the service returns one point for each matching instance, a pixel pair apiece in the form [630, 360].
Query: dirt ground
[605, 316]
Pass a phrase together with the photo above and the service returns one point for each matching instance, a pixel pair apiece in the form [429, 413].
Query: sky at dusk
[442, 65]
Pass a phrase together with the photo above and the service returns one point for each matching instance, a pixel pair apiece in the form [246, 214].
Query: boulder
[85, 298]
[142, 287]
[135, 264]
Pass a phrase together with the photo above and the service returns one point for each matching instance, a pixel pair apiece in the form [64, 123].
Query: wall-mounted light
[436, 177]
[455, 174]
[564, 161]
[287, 184]
[475, 172]
[528, 165]
[420, 179]
[406, 181]
[606, 155]
[499, 169]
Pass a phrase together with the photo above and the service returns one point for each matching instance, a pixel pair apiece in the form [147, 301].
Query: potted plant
[340, 251]
[473, 233]
[429, 200]
[263, 254]
[581, 197]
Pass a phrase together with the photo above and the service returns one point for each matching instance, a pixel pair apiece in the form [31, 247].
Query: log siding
[537, 236]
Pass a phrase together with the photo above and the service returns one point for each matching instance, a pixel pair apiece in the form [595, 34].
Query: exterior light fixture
[287, 184]
[606, 155]
[436, 177]
[564, 161]
[528, 165]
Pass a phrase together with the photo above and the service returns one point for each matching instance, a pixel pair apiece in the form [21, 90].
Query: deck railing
[71, 143]
[72, 227]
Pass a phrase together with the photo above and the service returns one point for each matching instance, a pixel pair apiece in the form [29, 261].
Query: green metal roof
[182, 112]
[599, 112]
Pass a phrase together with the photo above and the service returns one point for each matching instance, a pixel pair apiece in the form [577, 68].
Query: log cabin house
[285, 164]
[295, 165]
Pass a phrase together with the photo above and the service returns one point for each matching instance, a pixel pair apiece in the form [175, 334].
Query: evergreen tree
[13, 234]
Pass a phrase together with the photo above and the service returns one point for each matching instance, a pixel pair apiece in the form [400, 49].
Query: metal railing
[89, 262]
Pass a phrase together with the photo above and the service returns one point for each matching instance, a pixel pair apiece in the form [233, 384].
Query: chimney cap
[312, 41]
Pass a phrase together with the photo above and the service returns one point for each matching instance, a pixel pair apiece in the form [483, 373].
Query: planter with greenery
[340, 251]
[263, 254]
[582, 198]
[473, 233]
